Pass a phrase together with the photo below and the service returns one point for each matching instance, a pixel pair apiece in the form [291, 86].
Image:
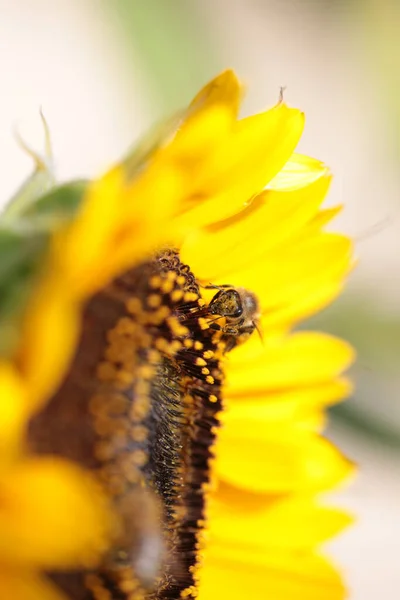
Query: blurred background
[104, 70]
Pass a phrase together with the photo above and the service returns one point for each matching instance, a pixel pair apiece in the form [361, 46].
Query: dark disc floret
[139, 408]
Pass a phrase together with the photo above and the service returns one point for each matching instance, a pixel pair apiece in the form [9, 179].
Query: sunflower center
[139, 408]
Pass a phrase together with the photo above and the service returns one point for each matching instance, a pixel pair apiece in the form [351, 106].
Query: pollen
[176, 295]
[190, 296]
[134, 306]
[200, 362]
[154, 300]
[139, 433]
[177, 328]
[203, 323]
[155, 281]
[167, 286]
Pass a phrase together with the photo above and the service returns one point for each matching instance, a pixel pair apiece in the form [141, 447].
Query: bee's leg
[231, 331]
[231, 342]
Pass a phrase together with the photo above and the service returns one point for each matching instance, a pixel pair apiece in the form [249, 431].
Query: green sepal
[21, 255]
[24, 243]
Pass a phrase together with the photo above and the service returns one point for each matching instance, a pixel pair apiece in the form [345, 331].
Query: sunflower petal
[17, 585]
[272, 218]
[282, 459]
[63, 504]
[305, 358]
[298, 172]
[245, 574]
[224, 89]
[289, 523]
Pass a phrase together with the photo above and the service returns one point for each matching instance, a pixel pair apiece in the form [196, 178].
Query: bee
[241, 311]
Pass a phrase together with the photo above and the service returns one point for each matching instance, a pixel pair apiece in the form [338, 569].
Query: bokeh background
[105, 70]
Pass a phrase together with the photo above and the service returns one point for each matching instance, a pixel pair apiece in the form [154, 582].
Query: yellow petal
[52, 515]
[257, 147]
[316, 296]
[291, 403]
[304, 358]
[298, 172]
[50, 333]
[284, 523]
[239, 573]
[17, 584]
[272, 219]
[119, 225]
[13, 413]
[275, 281]
[277, 459]
[223, 89]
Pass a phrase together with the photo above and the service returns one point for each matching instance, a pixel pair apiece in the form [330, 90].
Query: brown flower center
[139, 408]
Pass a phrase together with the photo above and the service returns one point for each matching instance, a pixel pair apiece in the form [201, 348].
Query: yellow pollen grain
[213, 398]
[161, 344]
[208, 354]
[159, 316]
[200, 362]
[139, 458]
[125, 326]
[142, 387]
[140, 408]
[98, 404]
[203, 323]
[210, 379]
[106, 371]
[95, 585]
[198, 345]
[145, 371]
[167, 286]
[125, 377]
[190, 296]
[175, 346]
[117, 404]
[139, 433]
[104, 426]
[176, 295]
[181, 280]
[133, 305]
[103, 451]
[154, 300]
[120, 352]
[155, 281]
[153, 356]
[188, 343]
[145, 339]
[205, 371]
[176, 327]
[171, 275]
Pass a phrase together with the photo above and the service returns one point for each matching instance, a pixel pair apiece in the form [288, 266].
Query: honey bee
[241, 311]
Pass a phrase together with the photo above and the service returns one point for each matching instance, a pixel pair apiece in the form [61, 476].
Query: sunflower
[156, 403]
